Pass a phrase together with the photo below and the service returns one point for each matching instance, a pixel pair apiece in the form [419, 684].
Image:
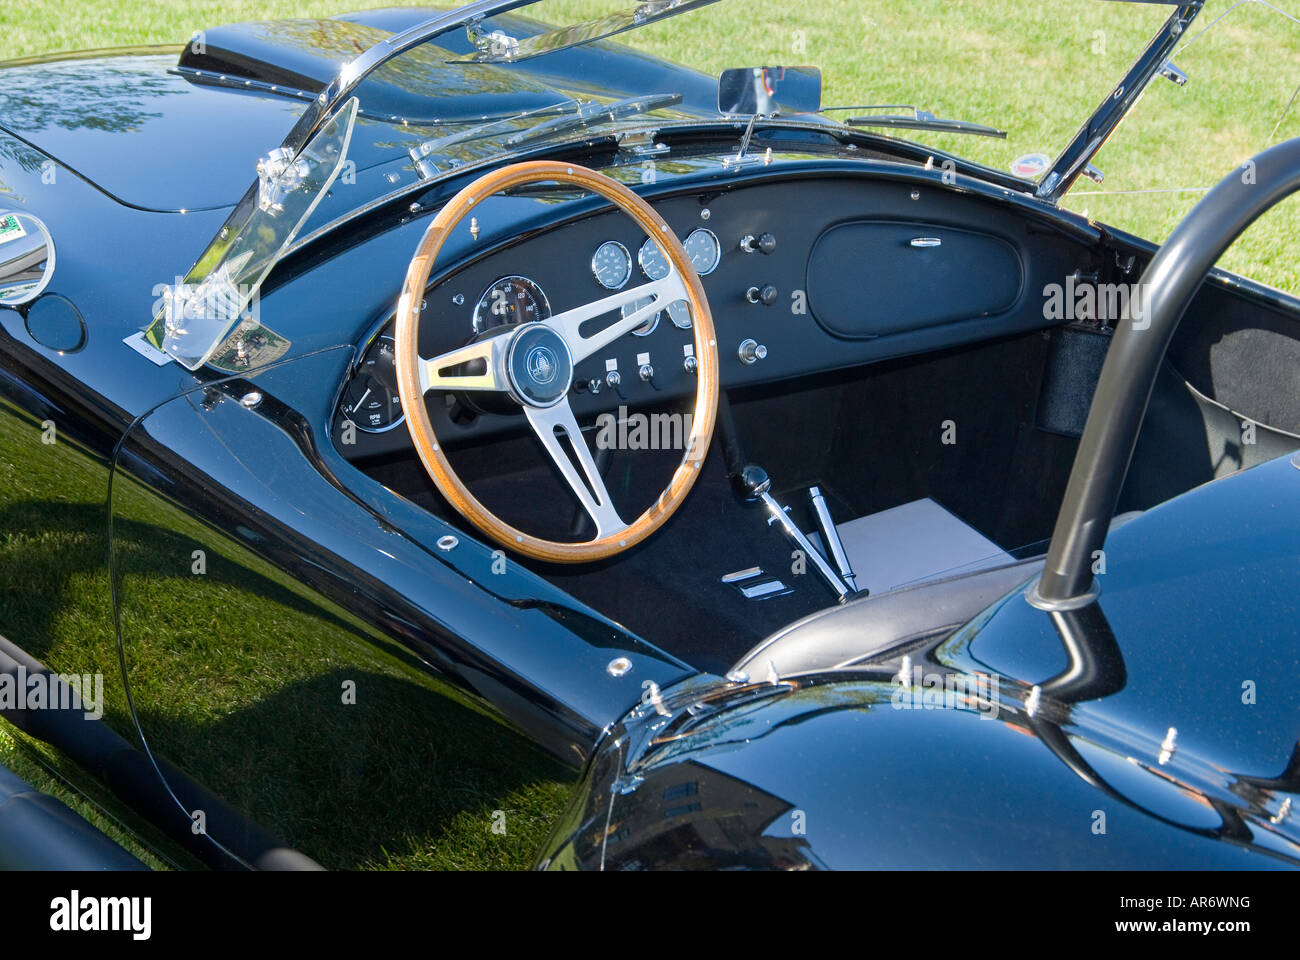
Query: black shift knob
[752, 482]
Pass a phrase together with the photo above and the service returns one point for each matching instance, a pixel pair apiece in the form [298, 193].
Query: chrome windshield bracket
[496, 45]
[278, 175]
[1171, 73]
[638, 144]
[1092, 136]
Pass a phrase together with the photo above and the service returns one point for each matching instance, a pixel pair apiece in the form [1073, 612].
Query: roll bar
[1129, 373]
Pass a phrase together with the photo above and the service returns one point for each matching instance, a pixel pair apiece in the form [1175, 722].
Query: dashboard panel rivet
[916, 194]
[706, 213]
[250, 400]
[618, 667]
[448, 543]
[459, 299]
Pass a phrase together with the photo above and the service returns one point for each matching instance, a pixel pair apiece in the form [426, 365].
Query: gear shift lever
[753, 483]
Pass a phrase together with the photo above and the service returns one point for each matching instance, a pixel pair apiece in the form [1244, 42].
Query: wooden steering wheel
[532, 364]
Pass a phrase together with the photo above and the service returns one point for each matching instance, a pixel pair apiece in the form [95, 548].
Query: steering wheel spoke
[480, 362]
[554, 426]
[658, 294]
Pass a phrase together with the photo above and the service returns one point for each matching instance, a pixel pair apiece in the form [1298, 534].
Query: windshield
[1004, 84]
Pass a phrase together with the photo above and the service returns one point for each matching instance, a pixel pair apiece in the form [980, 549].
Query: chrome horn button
[539, 366]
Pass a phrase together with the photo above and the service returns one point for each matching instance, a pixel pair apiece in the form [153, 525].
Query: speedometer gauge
[611, 265]
[655, 266]
[510, 300]
[371, 400]
[704, 250]
[652, 260]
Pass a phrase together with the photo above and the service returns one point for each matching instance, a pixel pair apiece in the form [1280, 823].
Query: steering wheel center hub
[539, 366]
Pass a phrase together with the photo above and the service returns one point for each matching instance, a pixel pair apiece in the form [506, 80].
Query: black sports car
[426, 418]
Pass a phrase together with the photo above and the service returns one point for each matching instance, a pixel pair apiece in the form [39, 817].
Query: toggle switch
[751, 352]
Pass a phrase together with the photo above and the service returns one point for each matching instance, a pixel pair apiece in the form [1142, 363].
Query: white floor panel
[912, 543]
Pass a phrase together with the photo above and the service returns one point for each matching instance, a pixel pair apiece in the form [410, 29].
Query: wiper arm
[918, 120]
[590, 115]
[427, 155]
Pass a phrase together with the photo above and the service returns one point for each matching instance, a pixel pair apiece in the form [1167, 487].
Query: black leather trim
[861, 629]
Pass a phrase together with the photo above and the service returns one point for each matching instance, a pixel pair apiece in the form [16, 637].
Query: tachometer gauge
[510, 300]
[704, 250]
[611, 265]
[646, 328]
[652, 261]
[371, 400]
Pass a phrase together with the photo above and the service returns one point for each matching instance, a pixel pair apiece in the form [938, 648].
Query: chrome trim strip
[747, 574]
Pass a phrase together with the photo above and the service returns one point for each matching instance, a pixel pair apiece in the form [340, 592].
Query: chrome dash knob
[751, 351]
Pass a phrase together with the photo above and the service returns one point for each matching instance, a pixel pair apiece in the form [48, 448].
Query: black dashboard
[803, 275]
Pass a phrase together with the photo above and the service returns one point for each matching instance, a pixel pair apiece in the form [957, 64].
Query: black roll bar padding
[1129, 373]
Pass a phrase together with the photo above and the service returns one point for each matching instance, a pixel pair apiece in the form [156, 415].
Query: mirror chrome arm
[1092, 136]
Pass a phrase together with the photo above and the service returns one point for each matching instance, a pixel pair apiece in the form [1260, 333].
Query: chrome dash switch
[751, 351]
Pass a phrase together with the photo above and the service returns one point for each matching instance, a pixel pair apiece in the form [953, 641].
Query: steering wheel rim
[546, 405]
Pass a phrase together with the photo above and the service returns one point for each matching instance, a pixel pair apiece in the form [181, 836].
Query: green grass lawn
[1034, 69]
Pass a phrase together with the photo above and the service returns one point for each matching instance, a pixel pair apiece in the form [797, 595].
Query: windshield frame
[1050, 189]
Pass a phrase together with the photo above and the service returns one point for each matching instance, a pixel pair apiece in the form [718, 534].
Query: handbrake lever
[831, 537]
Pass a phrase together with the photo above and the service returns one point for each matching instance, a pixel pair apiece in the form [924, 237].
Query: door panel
[329, 731]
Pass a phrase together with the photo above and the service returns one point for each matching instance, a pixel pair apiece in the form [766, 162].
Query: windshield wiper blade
[429, 153]
[590, 115]
[919, 120]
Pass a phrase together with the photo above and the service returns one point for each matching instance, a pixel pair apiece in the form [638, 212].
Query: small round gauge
[704, 250]
[371, 400]
[652, 261]
[648, 327]
[679, 312]
[510, 300]
[611, 265]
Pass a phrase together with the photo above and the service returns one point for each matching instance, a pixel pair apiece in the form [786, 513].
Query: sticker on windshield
[1030, 165]
[11, 228]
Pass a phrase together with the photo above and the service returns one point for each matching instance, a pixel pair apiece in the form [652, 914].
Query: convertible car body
[337, 356]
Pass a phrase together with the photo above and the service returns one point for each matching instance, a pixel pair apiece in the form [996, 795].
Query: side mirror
[765, 91]
[26, 258]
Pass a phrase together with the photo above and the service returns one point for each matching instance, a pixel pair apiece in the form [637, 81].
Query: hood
[182, 128]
